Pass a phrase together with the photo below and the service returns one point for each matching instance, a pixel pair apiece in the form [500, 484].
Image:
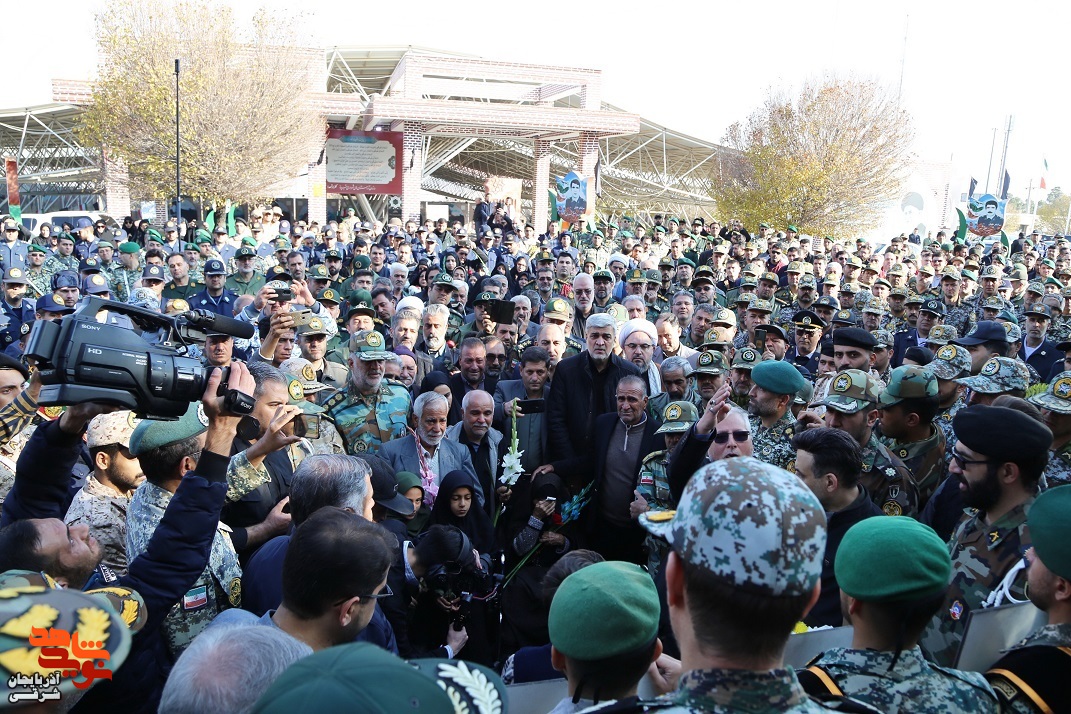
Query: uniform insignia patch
[892, 508]
[195, 599]
[956, 611]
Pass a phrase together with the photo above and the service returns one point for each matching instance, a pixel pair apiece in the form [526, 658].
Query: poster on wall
[368, 162]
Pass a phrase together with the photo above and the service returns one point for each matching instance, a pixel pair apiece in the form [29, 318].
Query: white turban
[412, 302]
[637, 324]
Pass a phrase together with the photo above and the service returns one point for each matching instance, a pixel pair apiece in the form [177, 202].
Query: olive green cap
[604, 610]
[1050, 529]
[852, 391]
[677, 417]
[152, 434]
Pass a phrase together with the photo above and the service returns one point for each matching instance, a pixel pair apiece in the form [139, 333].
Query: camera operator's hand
[544, 509]
[456, 639]
[222, 425]
[263, 297]
[276, 437]
[33, 387]
[77, 416]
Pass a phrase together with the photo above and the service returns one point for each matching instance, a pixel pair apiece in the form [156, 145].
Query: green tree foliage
[828, 160]
[1052, 212]
[245, 125]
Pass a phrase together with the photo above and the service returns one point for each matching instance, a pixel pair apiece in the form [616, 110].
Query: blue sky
[698, 67]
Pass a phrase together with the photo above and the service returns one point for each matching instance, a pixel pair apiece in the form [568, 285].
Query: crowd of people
[640, 449]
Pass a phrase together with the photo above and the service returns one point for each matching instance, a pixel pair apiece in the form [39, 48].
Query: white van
[57, 219]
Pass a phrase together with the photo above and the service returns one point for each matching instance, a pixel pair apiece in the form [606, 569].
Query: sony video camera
[82, 360]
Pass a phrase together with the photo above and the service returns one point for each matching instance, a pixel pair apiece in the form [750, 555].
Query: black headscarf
[476, 524]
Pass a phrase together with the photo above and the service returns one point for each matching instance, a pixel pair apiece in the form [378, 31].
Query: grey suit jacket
[402, 455]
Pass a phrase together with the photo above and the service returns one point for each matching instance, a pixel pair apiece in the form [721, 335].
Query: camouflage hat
[852, 391]
[950, 361]
[808, 281]
[678, 417]
[713, 337]
[367, 346]
[295, 389]
[884, 338]
[637, 276]
[794, 267]
[827, 301]
[544, 256]
[993, 302]
[770, 277]
[144, 298]
[908, 382]
[1036, 287]
[317, 272]
[748, 523]
[950, 273]
[666, 262]
[723, 317]
[746, 358]
[152, 434]
[874, 308]
[302, 369]
[991, 271]
[558, 309]
[315, 326]
[749, 281]
[722, 248]
[942, 334]
[999, 375]
[747, 298]
[1015, 333]
[31, 601]
[711, 362]
[113, 428]
[760, 305]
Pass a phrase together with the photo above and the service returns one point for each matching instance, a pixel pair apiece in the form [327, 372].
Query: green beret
[34, 248]
[1050, 529]
[604, 610]
[129, 247]
[153, 234]
[152, 434]
[685, 261]
[777, 377]
[250, 241]
[104, 244]
[870, 563]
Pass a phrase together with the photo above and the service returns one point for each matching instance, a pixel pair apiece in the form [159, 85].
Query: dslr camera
[83, 360]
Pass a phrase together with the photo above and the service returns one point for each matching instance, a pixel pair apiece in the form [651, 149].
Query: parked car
[58, 218]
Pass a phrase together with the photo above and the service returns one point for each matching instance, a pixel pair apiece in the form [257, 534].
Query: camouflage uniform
[960, 315]
[981, 556]
[894, 324]
[366, 422]
[653, 482]
[911, 685]
[55, 263]
[1059, 328]
[38, 283]
[944, 421]
[123, 281]
[888, 481]
[218, 588]
[103, 509]
[1040, 643]
[774, 445]
[925, 460]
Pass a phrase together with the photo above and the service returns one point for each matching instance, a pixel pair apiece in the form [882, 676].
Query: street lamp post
[178, 174]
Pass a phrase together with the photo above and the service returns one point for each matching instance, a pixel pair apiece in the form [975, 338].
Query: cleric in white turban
[638, 338]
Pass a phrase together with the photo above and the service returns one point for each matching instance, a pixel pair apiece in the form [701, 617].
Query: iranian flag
[1044, 171]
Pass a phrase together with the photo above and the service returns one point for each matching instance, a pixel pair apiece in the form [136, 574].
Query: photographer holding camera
[279, 296]
[189, 459]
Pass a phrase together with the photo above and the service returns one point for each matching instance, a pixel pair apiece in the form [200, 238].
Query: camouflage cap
[884, 338]
[295, 388]
[712, 337]
[1057, 396]
[316, 272]
[874, 308]
[747, 298]
[760, 305]
[558, 309]
[302, 369]
[749, 281]
[908, 382]
[1036, 287]
[770, 277]
[991, 271]
[942, 335]
[1015, 333]
[711, 362]
[852, 391]
[794, 267]
[950, 362]
[113, 428]
[723, 317]
[748, 523]
[950, 273]
[677, 417]
[746, 358]
[315, 326]
[29, 601]
[999, 375]
[368, 346]
[808, 281]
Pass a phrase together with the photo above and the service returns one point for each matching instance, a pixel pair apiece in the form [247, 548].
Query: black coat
[572, 404]
[1044, 357]
[458, 388]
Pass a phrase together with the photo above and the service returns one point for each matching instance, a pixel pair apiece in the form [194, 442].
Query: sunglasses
[722, 437]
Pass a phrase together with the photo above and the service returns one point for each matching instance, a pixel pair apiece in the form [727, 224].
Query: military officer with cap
[18, 309]
[950, 363]
[37, 280]
[13, 251]
[852, 406]
[64, 257]
[124, 279]
[220, 585]
[1032, 676]
[312, 339]
[774, 385]
[908, 405]
[1055, 406]
[369, 411]
[215, 297]
[999, 478]
[884, 667]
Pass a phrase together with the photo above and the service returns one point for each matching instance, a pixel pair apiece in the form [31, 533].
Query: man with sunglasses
[998, 478]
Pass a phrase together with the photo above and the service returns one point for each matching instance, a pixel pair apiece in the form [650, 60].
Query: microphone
[217, 323]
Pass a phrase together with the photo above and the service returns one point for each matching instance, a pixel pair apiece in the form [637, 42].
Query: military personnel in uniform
[958, 313]
[774, 385]
[655, 299]
[652, 489]
[1000, 477]
[950, 363]
[1032, 676]
[125, 278]
[219, 587]
[851, 406]
[1055, 406]
[64, 257]
[368, 412]
[878, 585]
[726, 503]
[908, 405]
[103, 501]
[37, 280]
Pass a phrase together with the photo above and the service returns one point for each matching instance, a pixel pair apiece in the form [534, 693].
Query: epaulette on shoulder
[334, 400]
[653, 456]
